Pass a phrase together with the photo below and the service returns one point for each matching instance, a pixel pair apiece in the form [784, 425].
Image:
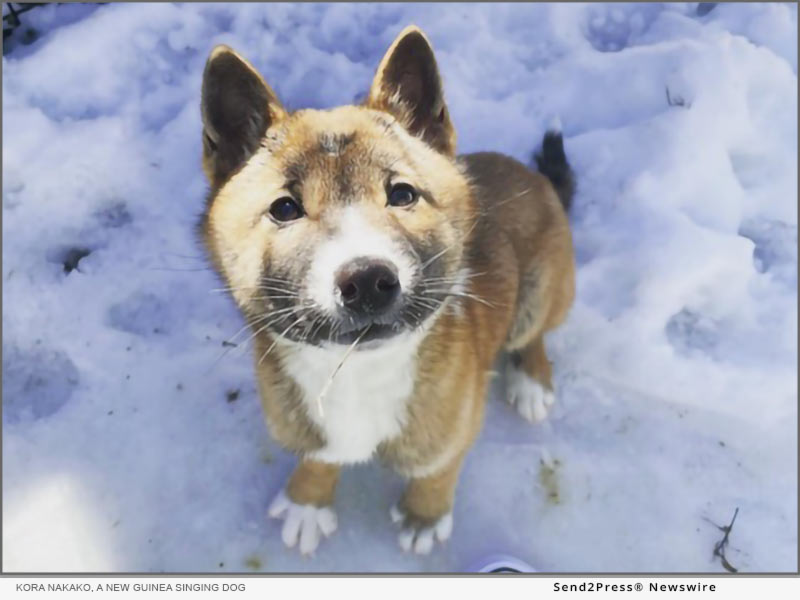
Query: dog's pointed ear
[237, 107]
[407, 85]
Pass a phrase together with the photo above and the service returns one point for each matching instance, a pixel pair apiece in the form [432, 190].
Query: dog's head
[335, 225]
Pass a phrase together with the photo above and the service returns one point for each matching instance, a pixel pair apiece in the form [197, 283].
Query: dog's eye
[285, 209]
[402, 194]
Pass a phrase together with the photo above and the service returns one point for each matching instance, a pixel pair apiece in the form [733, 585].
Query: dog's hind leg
[529, 381]
[544, 302]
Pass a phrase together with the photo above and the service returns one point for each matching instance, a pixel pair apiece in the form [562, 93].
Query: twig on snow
[720, 546]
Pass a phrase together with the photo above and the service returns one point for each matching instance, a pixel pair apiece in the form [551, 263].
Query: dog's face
[340, 225]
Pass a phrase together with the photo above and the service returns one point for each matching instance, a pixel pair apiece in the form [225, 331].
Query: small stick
[719, 547]
[329, 382]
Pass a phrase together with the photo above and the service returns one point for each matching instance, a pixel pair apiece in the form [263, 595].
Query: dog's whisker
[439, 254]
[252, 323]
[514, 197]
[273, 297]
[465, 295]
[457, 278]
[252, 287]
[279, 290]
[278, 337]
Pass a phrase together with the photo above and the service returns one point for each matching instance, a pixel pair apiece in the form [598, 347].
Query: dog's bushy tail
[552, 163]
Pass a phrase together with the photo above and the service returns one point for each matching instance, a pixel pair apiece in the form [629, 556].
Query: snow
[133, 440]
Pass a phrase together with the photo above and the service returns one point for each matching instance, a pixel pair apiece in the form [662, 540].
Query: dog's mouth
[371, 334]
[373, 330]
[315, 328]
[368, 332]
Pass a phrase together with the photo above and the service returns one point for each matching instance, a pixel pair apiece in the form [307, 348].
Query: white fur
[302, 522]
[555, 124]
[355, 237]
[366, 403]
[528, 396]
[441, 461]
[422, 540]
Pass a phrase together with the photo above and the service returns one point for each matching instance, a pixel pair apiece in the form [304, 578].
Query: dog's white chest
[366, 402]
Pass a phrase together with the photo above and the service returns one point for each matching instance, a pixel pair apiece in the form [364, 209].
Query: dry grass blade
[721, 546]
[329, 382]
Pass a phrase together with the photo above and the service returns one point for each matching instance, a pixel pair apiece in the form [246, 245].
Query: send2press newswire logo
[596, 586]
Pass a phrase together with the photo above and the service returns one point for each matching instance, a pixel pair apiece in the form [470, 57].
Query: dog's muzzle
[367, 288]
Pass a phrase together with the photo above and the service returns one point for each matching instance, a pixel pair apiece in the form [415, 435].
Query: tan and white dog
[381, 275]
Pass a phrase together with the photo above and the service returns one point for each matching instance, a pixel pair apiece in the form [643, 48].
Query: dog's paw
[303, 522]
[417, 537]
[531, 399]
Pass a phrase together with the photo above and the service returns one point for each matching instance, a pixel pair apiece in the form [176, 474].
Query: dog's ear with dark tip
[407, 85]
[237, 107]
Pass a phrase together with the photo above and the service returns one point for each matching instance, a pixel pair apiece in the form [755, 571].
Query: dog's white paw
[531, 399]
[303, 522]
[421, 539]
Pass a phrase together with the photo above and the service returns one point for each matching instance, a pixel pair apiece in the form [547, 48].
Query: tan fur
[313, 483]
[497, 220]
[427, 498]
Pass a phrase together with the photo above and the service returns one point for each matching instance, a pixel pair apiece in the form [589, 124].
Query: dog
[381, 275]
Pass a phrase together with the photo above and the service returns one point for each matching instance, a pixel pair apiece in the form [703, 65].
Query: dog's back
[530, 209]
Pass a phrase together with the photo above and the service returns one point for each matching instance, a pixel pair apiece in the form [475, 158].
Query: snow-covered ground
[133, 440]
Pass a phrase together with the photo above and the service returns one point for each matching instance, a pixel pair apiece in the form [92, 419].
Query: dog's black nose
[368, 286]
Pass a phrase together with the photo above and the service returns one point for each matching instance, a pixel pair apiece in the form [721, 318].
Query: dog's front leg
[306, 505]
[425, 513]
